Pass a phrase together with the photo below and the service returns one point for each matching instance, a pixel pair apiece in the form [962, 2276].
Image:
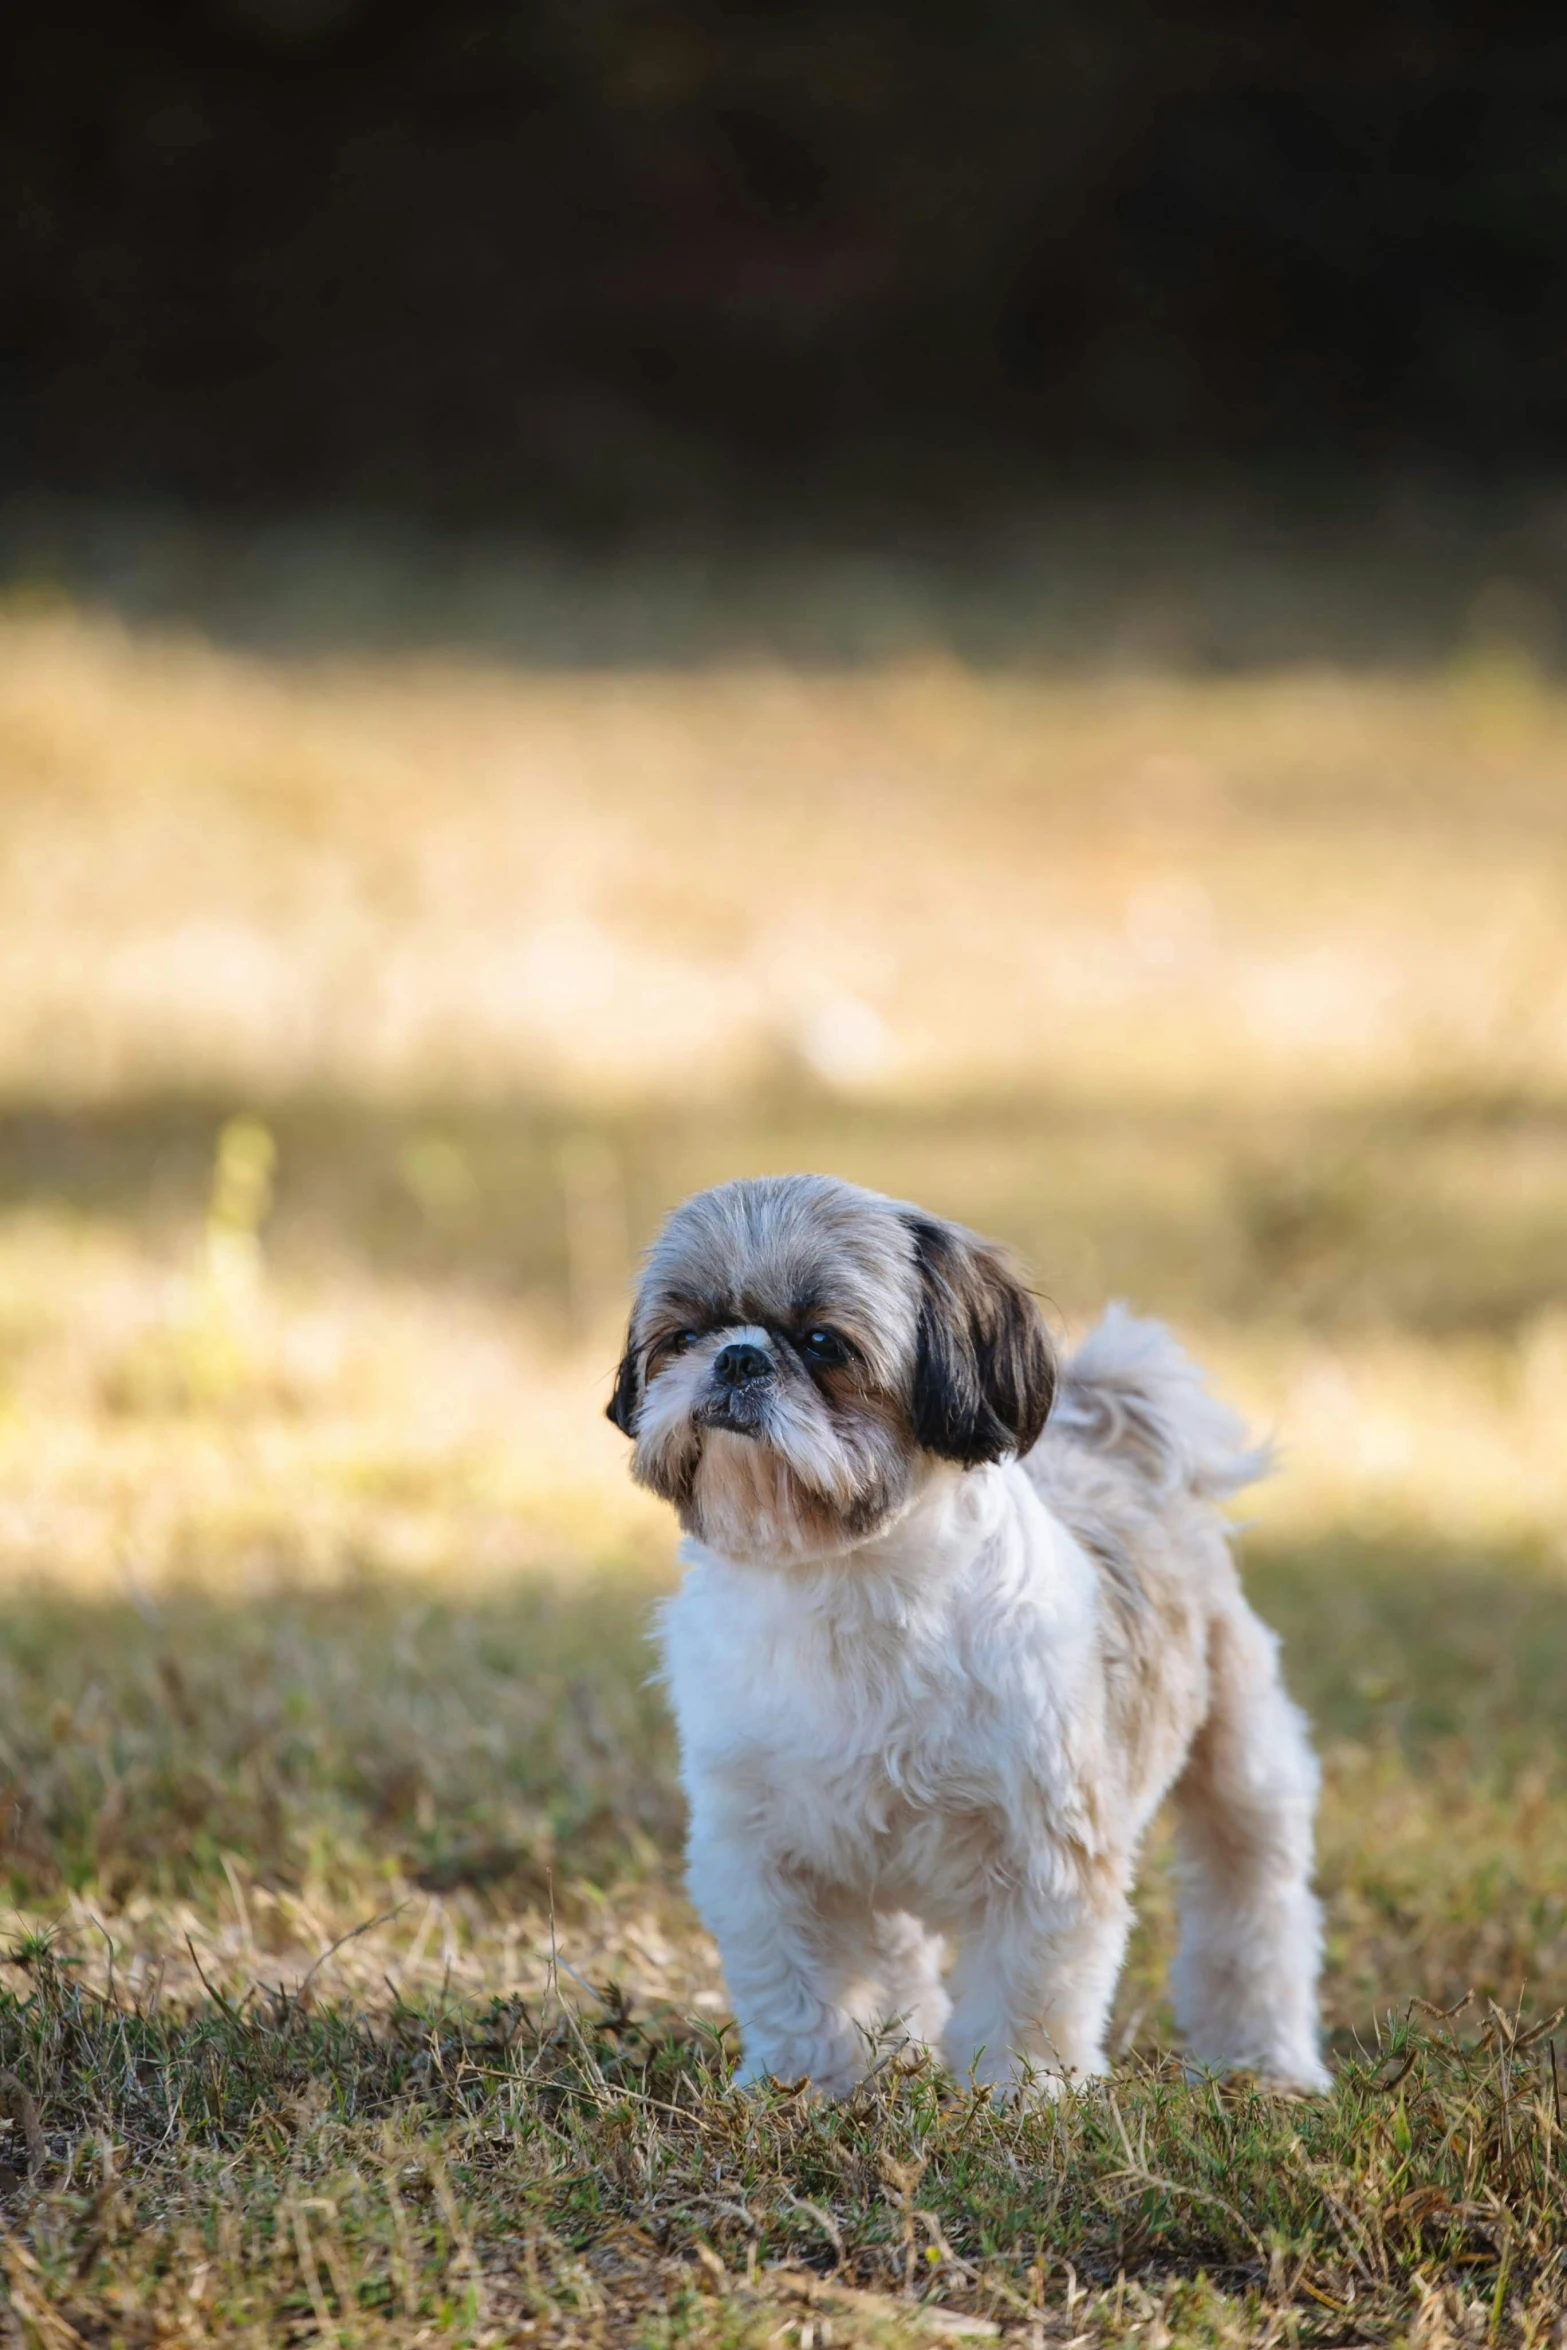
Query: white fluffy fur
[948, 1739]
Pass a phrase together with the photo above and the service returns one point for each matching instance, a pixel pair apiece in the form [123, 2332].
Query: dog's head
[800, 1348]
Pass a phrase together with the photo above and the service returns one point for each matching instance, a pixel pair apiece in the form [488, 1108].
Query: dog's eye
[675, 1344]
[823, 1346]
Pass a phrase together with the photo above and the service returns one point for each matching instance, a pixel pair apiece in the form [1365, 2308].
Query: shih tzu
[954, 1622]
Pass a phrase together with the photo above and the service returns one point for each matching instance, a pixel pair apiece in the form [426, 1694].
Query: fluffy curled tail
[1131, 1388]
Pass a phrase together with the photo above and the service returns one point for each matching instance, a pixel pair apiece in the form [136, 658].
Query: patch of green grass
[328, 1739]
[351, 1995]
[275, 2169]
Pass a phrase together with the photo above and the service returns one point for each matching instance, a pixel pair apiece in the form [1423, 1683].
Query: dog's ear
[985, 1373]
[622, 1405]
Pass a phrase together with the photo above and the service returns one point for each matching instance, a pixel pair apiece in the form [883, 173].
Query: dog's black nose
[738, 1363]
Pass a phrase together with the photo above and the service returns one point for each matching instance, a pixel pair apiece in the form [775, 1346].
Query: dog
[955, 1619]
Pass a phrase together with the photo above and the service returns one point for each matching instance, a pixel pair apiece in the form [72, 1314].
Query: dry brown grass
[356, 1022]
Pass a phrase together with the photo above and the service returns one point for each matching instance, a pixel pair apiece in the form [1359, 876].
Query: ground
[358, 1015]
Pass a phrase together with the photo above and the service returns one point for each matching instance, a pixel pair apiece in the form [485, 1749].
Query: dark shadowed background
[594, 263]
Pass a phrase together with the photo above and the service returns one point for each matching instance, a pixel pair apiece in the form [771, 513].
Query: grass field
[358, 1017]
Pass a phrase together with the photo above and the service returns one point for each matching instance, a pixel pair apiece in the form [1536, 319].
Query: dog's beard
[750, 1504]
[800, 1484]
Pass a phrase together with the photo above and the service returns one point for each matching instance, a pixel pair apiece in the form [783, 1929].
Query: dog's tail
[1131, 1388]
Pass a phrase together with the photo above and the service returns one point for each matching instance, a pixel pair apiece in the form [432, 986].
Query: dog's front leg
[1033, 1986]
[780, 1964]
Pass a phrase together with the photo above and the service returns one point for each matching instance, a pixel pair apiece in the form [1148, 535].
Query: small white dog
[951, 1628]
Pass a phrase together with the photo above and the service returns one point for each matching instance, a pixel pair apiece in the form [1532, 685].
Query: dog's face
[799, 1350]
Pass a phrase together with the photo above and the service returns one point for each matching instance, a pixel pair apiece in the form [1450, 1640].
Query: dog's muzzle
[742, 1381]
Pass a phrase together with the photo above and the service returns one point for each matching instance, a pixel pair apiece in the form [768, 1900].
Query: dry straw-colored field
[358, 1017]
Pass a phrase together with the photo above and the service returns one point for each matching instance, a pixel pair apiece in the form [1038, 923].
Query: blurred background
[597, 598]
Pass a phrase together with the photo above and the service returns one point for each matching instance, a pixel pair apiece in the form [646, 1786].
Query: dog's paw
[1296, 2073]
[1300, 2078]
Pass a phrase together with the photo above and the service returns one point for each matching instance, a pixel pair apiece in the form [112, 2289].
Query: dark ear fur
[622, 1405]
[985, 1373]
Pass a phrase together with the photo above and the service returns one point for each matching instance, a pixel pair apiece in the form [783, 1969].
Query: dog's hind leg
[1245, 1977]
